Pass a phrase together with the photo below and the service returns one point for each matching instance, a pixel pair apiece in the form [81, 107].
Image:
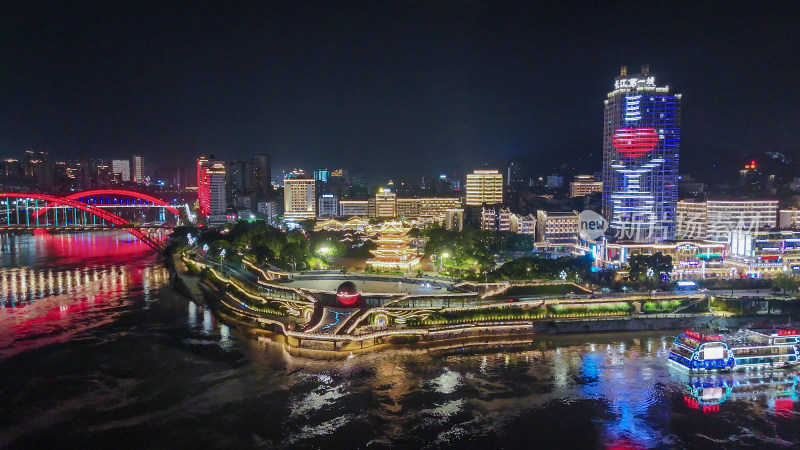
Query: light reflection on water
[94, 349]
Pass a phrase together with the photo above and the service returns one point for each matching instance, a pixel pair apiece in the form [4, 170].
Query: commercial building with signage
[641, 147]
[690, 259]
[764, 253]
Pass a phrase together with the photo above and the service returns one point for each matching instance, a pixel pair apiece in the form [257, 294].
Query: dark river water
[98, 351]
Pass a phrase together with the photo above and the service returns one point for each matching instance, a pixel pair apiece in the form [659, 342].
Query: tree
[638, 265]
[785, 282]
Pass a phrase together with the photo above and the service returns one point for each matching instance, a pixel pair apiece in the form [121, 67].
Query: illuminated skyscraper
[484, 186]
[641, 147]
[138, 169]
[211, 195]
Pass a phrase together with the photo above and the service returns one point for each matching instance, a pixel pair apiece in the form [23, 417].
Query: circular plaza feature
[347, 293]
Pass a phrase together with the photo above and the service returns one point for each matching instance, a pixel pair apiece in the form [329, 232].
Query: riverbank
[289, 330]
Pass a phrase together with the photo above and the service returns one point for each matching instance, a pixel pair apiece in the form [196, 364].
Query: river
[97, 350]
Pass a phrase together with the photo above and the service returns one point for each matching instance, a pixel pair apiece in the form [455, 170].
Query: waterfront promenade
[306, 310]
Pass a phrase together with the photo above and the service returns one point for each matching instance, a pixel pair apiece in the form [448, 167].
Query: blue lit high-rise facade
[641, 148]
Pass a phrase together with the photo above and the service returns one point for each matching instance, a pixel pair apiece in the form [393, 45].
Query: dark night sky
[395, 89]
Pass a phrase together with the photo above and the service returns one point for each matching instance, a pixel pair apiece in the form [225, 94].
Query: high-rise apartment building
[211, 195]
[641, 147]
[39, 166]
[77, 172]
[299, 198]
[263, 174]
[484, 187]
[121, 167]
[138, 169]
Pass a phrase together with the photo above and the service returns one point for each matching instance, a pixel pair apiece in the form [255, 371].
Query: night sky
[389, 89]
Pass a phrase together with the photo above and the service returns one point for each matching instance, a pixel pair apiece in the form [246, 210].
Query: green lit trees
[785, 283]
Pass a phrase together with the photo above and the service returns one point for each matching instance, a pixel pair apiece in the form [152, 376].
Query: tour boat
[708, 391]
[763, 348]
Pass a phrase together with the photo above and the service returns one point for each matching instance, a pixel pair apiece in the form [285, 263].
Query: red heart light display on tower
[633, 142]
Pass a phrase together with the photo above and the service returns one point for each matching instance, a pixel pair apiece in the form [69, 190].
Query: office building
[299, 198]
[138, 169]
[484, 187]
[554, 181]
[270, 209]
[641, 147]
[322, 175]
[241, 179]
[121, 168]
[584, 185]
[354, 208]
[328, 205]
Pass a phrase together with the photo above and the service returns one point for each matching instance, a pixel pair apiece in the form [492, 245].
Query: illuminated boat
[747, 349]
[709, 391]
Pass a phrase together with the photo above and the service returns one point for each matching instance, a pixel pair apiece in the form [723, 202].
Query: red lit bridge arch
[95, 198]
[30, 214]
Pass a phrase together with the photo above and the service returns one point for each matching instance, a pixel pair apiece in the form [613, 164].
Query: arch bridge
[80, 211]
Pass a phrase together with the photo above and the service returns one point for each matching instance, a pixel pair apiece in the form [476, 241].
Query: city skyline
[400, 224]
[409, 97]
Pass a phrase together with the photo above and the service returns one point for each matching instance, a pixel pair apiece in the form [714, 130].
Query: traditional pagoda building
[394, 250]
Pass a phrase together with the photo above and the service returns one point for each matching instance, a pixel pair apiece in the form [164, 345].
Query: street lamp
[323, 251]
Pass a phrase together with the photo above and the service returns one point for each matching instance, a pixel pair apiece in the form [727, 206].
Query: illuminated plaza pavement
[367, 283]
